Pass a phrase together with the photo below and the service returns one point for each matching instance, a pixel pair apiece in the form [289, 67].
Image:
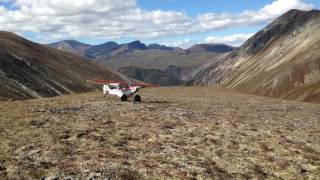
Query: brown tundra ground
[175, 133]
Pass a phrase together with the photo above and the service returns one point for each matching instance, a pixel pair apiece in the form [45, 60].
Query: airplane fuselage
[116, 89]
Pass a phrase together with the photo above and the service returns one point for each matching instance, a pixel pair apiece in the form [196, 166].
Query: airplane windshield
[123, 86]
[112, 87]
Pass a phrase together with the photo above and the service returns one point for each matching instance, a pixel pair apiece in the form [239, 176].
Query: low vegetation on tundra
[175, 133]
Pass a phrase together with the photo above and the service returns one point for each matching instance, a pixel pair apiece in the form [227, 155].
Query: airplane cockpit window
[112, 87]
[123, 86]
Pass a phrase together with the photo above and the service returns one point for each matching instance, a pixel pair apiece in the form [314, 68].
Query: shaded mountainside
[281, 60]
[161, 47]
[72, 46]
[217, 48]
[30, 70]
[154, 57]
[94, 51]
[158, 59]
[153, 76]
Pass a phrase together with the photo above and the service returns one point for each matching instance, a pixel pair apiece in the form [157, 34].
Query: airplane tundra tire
[137, 98]
[124, 97]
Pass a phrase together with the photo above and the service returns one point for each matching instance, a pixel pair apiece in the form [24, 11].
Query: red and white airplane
[124, 90]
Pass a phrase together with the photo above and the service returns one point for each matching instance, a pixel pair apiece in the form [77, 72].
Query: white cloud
[111, 19]
[234, 40]
[185, 43]
[2, 9]
[267, 13]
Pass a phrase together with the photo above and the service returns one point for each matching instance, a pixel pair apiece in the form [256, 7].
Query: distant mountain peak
[71, 42]
[100, 49]
[110, 43]
[136, 45]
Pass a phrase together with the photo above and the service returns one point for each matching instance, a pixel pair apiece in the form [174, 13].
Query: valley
[140, 89]
[281, 60]
[154, 63]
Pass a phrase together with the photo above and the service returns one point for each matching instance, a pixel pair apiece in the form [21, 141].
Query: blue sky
[195, 7]
[170, 22]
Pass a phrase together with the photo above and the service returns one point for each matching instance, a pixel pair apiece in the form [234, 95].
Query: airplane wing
[101, 81]
[144, 85]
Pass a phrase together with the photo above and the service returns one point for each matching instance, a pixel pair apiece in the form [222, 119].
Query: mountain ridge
[138, 45]
[274, 62]
[154, 58]
[30, 70]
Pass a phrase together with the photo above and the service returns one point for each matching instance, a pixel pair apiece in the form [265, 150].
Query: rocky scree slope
[282, 60]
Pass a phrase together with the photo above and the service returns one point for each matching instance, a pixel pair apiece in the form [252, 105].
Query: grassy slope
[295, 75]
[282, 60]
[39, 67]
[157, 59]
[175, 133]
[152, 76]
[286, 67]
[160, 59]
